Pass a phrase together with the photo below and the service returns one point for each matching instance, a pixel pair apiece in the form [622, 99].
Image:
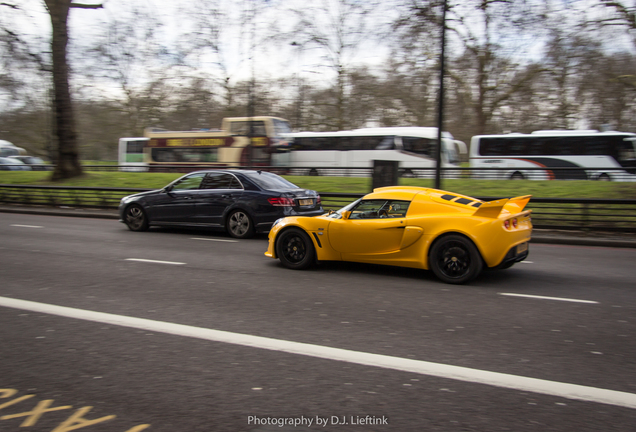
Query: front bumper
[266, 225]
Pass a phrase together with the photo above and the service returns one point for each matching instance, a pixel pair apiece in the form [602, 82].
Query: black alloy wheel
[455, 259]
[239, 225]
[135, 218]
[295, 249]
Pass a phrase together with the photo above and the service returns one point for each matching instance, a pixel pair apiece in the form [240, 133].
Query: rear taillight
[510, 222]
[318, 200]
[281, 202]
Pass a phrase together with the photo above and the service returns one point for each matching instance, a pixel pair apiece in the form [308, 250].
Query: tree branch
[86, 6]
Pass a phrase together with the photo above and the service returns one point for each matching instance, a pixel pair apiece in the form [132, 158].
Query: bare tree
[68, 164]
[488, 35]
[338, 28]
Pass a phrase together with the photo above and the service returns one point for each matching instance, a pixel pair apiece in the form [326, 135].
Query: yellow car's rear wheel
[295, 249]
[455, 259]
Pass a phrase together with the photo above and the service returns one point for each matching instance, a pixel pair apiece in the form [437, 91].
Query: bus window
[493, 147]
[626, 151]
[176, 155]
[243, 128]
[387, 143]
[534, 146]
[423, 146]
[517, 146]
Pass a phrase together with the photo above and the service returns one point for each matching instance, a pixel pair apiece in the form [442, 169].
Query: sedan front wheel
[135, 218]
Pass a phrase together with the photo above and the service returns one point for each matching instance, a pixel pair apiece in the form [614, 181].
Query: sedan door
[175, 204]
[218, 192]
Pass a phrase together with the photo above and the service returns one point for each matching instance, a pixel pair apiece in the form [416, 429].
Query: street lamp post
[440, 111]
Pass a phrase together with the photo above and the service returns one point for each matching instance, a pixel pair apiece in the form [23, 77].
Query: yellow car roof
[409, 193]
[406, 193]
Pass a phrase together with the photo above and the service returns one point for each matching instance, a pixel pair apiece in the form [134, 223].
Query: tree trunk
[68, 164]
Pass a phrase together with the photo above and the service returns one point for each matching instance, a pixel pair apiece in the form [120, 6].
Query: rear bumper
[514, 255]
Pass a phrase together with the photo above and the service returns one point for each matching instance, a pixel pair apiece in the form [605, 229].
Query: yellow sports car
[453, 235]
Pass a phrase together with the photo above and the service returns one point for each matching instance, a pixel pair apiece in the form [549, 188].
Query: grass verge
[493, 188]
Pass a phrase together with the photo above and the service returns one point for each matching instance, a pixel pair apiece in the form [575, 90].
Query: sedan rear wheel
[135, 218]
[239, 225]
[455, 259]
[295, 249]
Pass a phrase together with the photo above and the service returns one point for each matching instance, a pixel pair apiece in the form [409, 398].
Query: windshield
[338, 213]
[451, 151]
[281, 127]
[627, 152]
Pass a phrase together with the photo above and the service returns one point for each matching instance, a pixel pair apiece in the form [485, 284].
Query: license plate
[522, 247]
[306, 202]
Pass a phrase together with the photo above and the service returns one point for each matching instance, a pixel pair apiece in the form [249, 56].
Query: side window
[188, 183]
[380, 209]
[220, 181]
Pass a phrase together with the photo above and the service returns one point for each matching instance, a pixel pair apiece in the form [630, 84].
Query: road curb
[575, 238]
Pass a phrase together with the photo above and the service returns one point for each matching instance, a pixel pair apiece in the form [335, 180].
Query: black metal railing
[554, 213]
[482, 173]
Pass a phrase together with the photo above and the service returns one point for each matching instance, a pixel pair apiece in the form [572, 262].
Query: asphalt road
[547, 345]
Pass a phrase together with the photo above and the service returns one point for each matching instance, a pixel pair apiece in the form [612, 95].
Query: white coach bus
[555, 155]
[413, 147]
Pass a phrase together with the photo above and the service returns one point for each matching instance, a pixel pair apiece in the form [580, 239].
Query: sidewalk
[585, 238]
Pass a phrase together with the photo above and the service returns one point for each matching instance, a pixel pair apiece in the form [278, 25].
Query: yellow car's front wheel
[295, 249]
[455, 259]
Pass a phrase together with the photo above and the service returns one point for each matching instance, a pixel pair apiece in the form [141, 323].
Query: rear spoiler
[492, 209]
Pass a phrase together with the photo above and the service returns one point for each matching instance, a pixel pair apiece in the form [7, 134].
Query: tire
[314, 172]
[239, 225]
[454, 259]
[295, 249]
[604, 177]
[135, 218]
[516, 176]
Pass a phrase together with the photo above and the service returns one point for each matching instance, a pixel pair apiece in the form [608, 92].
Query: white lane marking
[535, 385]
[548, 298]
[154, 261]
[26, 226]
[527, 262]
[217, 240]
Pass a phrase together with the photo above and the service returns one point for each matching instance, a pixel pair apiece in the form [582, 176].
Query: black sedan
[240, 201]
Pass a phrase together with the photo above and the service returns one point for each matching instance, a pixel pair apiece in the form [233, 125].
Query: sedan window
[220, 181]
[378, 209]
[190, 182]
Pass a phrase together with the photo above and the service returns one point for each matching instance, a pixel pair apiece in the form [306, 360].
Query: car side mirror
[346, 214]
[167, 189]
